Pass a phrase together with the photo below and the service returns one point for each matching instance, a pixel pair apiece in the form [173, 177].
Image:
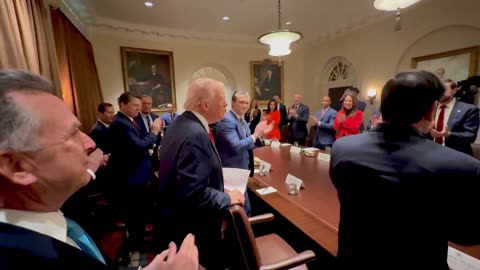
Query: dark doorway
[335, 94]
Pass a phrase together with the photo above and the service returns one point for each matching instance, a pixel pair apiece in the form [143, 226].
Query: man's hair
[453, 84]
[409, 96]
[198, 91]
[125, 98]
[19, 126]
[237, 94]
[102, 107]
[355, 89]
[146, 96]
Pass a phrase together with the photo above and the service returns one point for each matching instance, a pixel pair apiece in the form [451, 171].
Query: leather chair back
[284, 133]
[311, 136]
[240, 235]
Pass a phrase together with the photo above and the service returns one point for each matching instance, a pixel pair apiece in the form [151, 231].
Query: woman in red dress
[273, 115]
[349, 119]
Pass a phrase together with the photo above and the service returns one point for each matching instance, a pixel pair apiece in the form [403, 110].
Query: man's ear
[12, 171]
[430, 116]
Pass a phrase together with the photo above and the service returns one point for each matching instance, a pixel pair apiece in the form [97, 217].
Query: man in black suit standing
[297, 118]
[99, 132]
[44, 158]
[191, 189]
[283, 112]
[413, 195]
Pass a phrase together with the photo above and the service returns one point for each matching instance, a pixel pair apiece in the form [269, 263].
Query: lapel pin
[459, 111]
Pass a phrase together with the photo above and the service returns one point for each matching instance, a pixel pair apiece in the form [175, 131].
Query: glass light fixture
[279, 40]
[391, 5]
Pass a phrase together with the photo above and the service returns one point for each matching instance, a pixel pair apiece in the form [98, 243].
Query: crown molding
[102, 25]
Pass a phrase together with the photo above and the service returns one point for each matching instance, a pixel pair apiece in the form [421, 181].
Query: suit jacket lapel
[454, 115]
[194, 118]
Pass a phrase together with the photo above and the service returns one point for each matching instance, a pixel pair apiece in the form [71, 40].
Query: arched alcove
[217, 72]
[338, 74]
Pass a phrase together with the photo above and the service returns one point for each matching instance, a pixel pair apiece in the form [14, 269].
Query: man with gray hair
[43, 160]
[191, 193]
[235, 143]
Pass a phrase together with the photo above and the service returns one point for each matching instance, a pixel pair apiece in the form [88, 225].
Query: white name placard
[295, 149]
[265, 165]
[294, 180]
[323, 157]
[275, 144]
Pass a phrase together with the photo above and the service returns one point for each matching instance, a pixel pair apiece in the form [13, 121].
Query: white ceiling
[316, 19]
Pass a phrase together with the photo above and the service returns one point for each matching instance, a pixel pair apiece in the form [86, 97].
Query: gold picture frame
[149, 72]
[266, 81]
[457, 65]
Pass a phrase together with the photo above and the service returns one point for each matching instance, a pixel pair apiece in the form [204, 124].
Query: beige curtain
[77, 69]
[26, 39]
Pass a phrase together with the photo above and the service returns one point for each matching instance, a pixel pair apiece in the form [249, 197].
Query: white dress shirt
[203, 120]
[145, 122]
[446, 116]
[52, 224]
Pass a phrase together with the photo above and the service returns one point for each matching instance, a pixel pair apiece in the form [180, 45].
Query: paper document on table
[458, 260]
[234, 178]
[267, 190]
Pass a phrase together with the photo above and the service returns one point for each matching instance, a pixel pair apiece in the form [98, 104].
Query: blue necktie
[244, 130]
[83, 241]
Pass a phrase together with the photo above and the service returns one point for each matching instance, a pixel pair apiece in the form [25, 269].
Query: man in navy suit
[43, 160]
[99, 132]
[323, 121]
[130, 166]
[190, 188]
[297, 118]
[456, 122]
[170, 115]
[144, 121]
[402, 195]
[234, 140]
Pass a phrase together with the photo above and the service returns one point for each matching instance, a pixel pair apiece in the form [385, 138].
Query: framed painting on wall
[149, 72]
[266, 81]
[457, 65]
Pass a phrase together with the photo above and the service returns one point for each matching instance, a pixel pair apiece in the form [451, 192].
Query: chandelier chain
[279, 15]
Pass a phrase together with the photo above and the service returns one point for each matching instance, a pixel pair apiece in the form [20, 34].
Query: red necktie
[210, 133]
[135, 124]
[439, 126]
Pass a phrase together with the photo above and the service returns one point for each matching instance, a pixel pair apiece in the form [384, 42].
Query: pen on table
[263, 191]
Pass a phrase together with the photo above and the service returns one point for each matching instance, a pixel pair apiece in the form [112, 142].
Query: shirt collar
[234, 113]
[202, 119]
[449, 104]
[52, 224]
[105, 124]
[131, 119]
